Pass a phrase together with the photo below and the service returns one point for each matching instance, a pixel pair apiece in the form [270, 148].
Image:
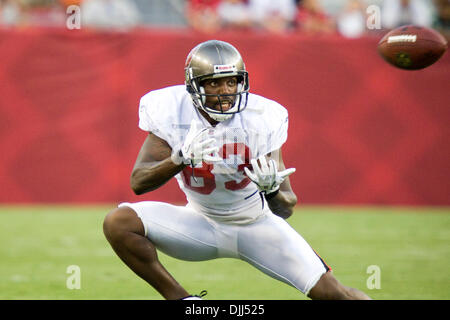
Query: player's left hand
[266, 175]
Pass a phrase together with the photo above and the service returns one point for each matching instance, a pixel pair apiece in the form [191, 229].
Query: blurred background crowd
[346, 17]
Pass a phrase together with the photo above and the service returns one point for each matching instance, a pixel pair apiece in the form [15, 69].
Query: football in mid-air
[412, 47]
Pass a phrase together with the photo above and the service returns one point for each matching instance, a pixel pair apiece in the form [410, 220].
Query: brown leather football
[412, 47]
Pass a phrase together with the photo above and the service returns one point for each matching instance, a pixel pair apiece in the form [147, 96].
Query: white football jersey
[220, 190]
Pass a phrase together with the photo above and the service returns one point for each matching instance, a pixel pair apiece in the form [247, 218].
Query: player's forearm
[283, 203]
[150, 176]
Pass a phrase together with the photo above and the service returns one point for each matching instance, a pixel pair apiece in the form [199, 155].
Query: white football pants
[270, 244]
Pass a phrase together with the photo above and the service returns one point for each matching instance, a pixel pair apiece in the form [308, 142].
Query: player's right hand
[197, 147]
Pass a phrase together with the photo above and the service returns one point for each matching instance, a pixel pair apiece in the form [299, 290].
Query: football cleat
[196, 297]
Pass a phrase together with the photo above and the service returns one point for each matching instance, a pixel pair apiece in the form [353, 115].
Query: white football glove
[196, 147]
[267, 177]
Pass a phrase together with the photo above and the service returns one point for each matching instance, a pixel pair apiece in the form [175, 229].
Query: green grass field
[409, 245]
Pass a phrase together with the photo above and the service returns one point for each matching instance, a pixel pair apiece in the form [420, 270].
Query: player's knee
[110, 224]
[121, 220]
[328, 288]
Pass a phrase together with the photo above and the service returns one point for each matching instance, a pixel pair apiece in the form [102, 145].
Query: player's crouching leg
[125, 232]
[119, 222]
[329, 288]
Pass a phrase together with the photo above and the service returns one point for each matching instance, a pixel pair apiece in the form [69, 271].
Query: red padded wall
[361, 132]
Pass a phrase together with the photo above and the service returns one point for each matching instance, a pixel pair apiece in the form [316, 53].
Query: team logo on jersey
[219, 68]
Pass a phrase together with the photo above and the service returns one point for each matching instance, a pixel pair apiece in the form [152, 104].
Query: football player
[223, 145]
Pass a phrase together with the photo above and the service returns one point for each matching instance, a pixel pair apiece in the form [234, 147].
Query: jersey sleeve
[280, 134]
[152, 117]
[278, 120]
